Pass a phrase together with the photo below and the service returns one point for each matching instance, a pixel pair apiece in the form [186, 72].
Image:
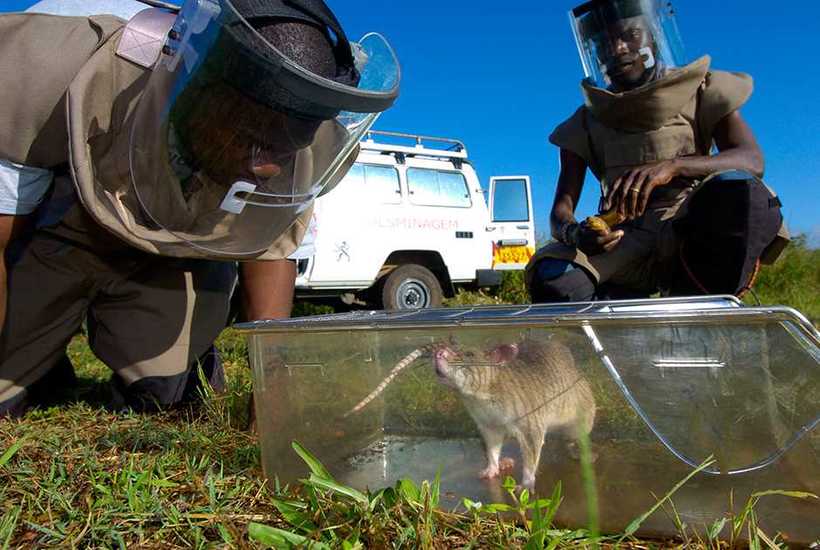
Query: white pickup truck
[409, 223]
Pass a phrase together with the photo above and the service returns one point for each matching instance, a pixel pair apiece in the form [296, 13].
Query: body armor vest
[666, 119]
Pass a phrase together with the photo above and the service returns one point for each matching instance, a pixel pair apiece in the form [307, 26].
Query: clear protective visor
[625, 44]
[232, 140]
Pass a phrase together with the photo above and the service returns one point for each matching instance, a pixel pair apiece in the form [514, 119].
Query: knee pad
[560, 281]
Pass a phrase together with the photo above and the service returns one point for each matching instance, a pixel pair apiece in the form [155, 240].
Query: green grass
[74, 475]
[794, 280]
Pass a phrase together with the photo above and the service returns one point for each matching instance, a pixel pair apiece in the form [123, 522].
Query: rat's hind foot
[528, 481]
[491, 471]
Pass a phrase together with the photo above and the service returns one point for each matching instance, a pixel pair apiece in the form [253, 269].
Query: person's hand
[590, 241]
[629, 193]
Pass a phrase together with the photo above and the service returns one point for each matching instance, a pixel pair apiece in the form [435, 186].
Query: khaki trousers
[645, 258]
[150, 319]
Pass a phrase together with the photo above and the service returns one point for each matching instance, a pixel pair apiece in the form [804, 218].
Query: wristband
[568, 234]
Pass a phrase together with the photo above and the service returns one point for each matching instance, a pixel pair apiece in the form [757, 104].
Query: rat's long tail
[400, 366]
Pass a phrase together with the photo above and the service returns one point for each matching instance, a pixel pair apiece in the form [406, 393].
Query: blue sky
[501, 79]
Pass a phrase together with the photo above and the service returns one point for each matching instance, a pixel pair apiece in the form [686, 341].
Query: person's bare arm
[738, 150]
[562, 217]
[267, 289]
[567, 192]
[267, 293]
[10, 227]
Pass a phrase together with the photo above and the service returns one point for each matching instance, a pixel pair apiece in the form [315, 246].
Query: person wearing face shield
[180, 145]
[646, 130]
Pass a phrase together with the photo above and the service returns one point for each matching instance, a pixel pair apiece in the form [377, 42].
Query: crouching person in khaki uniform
[646, 131]
[180, 145]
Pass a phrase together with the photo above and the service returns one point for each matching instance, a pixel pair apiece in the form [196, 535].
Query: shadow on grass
[61, 386]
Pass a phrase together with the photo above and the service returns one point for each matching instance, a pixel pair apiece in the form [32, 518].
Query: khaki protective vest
[39, 57]
[74, 102]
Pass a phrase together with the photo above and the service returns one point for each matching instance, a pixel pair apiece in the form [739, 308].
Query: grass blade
[435, 490]
[8, 523]
[636, 523]
[555, 502]
[588, 480]
[765, 538]
[295, 514]
[313, 463]
[279, 538]
[792, 494]
[408, 489]
[714, 531]
[331, 485]
[10, 452]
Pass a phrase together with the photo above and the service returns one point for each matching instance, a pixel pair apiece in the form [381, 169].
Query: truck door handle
[522, 226]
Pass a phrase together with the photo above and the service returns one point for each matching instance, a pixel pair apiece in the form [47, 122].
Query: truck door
[512, 227]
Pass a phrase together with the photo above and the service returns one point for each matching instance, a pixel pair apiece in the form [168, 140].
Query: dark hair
[597, 15]
[305, 44]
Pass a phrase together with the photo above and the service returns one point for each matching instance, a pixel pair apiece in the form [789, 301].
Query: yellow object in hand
[603, 222]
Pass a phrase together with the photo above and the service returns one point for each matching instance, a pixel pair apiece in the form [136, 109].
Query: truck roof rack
[424, 145]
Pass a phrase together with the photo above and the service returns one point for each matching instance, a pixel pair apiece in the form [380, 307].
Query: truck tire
[411, 286]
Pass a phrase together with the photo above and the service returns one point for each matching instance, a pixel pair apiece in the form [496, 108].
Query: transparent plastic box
[658, 386]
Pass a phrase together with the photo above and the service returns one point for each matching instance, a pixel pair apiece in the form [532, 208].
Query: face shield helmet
[625, 44]
[242, 123]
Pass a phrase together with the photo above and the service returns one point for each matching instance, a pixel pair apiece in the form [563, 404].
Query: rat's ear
[503, 353]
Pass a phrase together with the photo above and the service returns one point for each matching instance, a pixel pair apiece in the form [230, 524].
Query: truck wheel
[411, 286]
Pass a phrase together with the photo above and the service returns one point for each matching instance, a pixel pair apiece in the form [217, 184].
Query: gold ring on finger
[634, 190]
